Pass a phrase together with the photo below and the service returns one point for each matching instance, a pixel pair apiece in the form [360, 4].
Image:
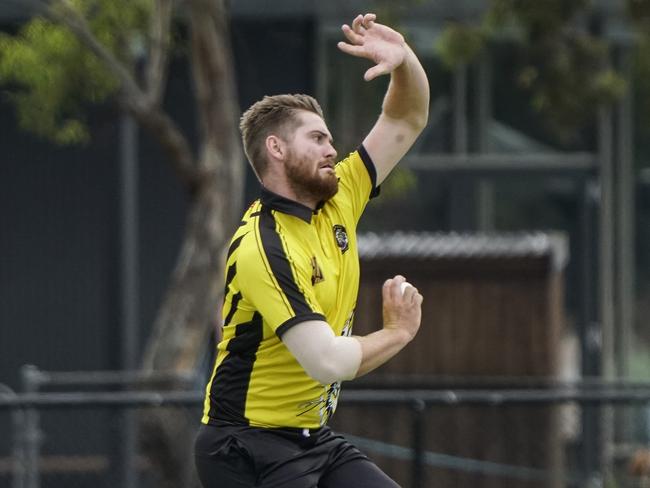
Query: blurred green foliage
[563, 65]
[639, 10]
[51, 75]
[459, 44]
[399, 183]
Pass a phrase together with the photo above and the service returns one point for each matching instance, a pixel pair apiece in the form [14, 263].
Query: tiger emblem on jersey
[341, 237]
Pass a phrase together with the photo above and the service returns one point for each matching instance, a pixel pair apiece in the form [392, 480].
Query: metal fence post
[32, 436]
[18, 449]
[418, 424]
[17, 452]
[129, 298]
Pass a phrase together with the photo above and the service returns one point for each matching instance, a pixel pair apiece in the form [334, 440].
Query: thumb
[374, 72]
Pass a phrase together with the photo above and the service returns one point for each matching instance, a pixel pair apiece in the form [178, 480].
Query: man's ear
[275, 147]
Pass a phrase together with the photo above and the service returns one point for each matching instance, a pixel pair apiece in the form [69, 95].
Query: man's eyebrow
[320, 132]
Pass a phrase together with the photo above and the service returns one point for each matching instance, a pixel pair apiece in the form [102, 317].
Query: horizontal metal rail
[498, 397]
[511, 163]
[103, 378]
[417, 400]
[348, 397]
[438, 382]
[464, 464]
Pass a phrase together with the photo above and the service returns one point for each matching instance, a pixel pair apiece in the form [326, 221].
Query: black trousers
[234, 456]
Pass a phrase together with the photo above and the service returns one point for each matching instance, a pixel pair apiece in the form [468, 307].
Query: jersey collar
[287, 206]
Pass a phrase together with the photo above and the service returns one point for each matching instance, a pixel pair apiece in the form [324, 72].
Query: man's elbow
[327, 373]
[337, 367]
[412, 120]
[419, 121]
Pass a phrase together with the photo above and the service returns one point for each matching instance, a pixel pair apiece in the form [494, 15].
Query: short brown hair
[272, 114]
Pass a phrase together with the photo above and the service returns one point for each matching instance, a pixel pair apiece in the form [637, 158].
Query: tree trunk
[189, 314]
[190, 311]
[190, 308]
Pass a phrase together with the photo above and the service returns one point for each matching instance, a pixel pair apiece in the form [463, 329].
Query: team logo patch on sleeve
[341, 237]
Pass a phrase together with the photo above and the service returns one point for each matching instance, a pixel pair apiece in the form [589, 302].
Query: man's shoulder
[351, 158]
[248, 246]
[244, 241]
[248, 256]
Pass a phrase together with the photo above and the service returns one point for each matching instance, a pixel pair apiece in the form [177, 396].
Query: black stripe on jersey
[372, 171]
[232, 271]
[234, 245]
[233, 308]
[229, 386]
[280, 264]
[297, 320]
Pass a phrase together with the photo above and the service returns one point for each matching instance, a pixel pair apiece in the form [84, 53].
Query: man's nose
[331, 152]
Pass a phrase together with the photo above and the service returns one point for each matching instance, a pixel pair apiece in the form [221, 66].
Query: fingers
[363, 22]
[401, 310]
[391, 289]
[360, 24]
[396, 287]
[357, 24]
[368, 20]
[385, 291]
[413, 296]
[374, 42]
[350, 49]
[351, 34]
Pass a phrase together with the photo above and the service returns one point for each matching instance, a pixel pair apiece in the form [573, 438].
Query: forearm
[379, 347]
[407, 97]
[328, 358]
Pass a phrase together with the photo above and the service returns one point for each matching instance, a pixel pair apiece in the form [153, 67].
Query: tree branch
[159, 50]
[170, 137]
[60, 12]
[145, 108]
[213, 86]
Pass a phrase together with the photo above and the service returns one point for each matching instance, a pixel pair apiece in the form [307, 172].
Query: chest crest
[316, 272]
[341, 237]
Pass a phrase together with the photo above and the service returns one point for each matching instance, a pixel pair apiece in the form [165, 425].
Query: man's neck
[285, 190]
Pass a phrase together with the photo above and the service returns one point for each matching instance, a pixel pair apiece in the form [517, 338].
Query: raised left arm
[406, 105]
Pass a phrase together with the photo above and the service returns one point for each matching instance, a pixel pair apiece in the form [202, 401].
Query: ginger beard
[309, 180]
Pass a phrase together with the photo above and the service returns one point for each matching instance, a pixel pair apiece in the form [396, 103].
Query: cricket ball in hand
[403, 286]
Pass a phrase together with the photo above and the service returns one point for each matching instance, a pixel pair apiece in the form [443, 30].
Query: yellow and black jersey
[287, 264]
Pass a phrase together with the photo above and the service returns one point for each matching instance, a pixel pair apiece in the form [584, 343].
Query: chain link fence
[532, 437]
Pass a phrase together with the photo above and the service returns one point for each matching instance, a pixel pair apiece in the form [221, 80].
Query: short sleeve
[273, 283]
[357, 182]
